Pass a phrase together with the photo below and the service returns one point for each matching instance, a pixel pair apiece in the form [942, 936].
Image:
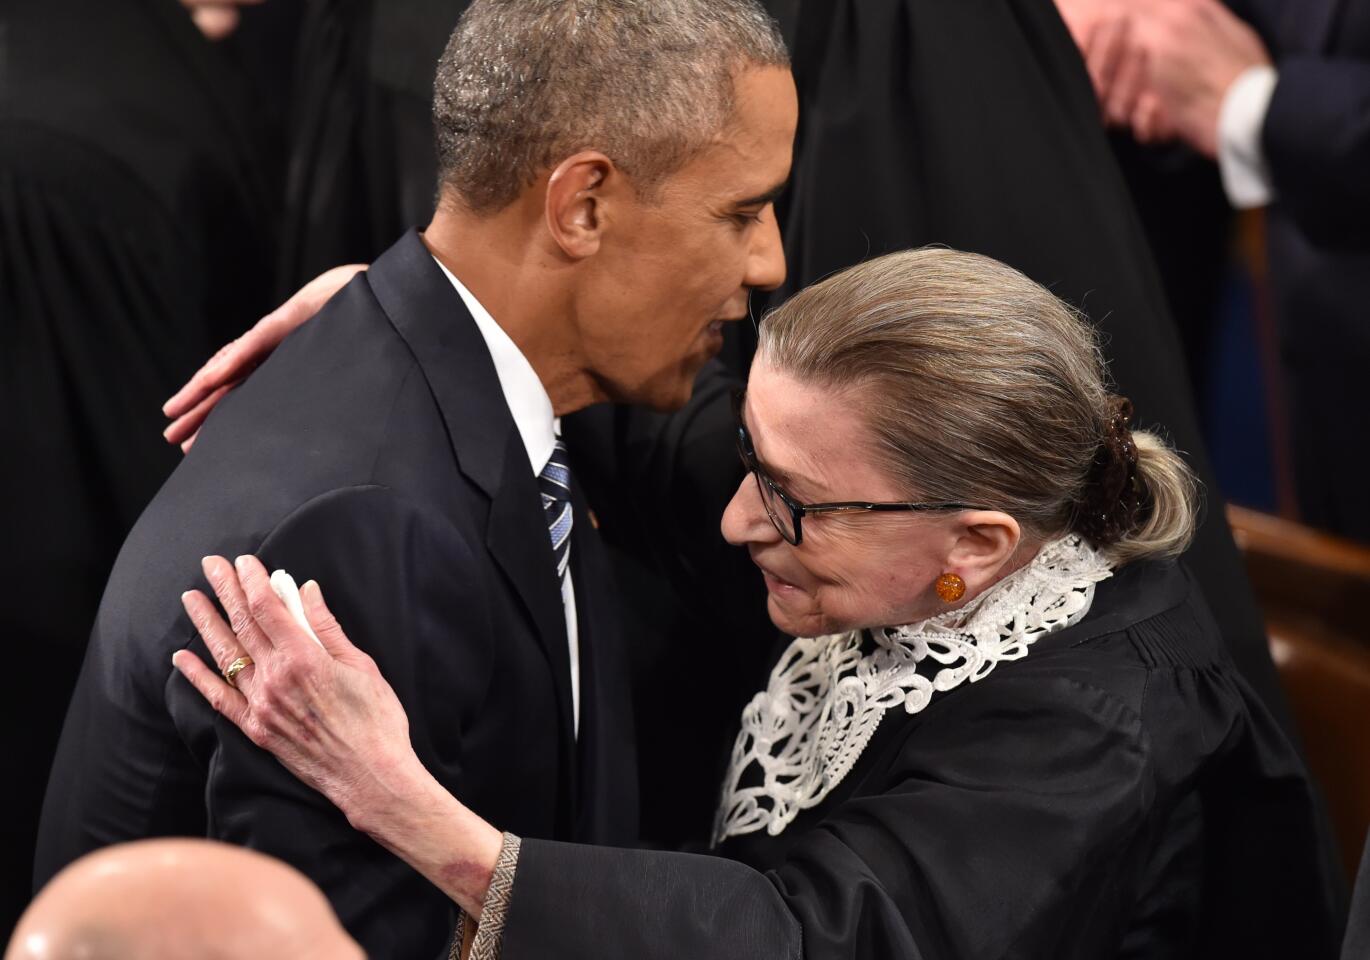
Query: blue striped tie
[555, 484]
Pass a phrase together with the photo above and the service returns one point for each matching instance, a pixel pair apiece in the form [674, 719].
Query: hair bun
[1111, 503]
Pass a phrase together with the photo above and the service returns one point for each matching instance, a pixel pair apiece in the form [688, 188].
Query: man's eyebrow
[761, 199]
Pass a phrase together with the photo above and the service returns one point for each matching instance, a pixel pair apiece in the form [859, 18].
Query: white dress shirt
[538, 427]
[1241, 158]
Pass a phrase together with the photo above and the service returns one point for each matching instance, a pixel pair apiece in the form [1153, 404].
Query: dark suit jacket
[374, 453]
[1317, 132]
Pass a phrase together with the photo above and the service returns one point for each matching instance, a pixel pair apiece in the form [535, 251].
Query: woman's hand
[234, 361]
[326, 712]
[322, 708]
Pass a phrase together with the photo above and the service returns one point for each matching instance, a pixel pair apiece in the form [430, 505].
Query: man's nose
[766, 263]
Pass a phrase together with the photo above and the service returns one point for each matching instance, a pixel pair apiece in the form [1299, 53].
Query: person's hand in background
[1192, 51]
[216, 19]
[1106, 32]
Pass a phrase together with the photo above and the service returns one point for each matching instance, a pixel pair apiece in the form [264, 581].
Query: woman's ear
[575, 202]
[986, 541]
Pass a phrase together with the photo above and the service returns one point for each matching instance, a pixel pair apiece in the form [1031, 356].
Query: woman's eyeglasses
[787, 513]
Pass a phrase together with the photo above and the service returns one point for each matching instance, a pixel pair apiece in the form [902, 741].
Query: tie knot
[557, 470]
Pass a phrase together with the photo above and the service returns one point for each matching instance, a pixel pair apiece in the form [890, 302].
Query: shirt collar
[524, 394]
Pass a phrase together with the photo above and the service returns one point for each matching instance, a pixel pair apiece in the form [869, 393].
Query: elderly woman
[1007, 726]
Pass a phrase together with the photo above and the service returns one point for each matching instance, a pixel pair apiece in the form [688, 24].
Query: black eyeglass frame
[798, 511]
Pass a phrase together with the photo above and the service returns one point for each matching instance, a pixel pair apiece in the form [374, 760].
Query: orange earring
[950, 588]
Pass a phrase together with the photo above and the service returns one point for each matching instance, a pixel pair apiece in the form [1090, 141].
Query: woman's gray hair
[523, 84]
[981, 387]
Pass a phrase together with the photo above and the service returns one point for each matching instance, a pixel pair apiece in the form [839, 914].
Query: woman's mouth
[775, 583]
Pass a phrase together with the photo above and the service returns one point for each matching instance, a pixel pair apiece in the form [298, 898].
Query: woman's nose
[745, 520]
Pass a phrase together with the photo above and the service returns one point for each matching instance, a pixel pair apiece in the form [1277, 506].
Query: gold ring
[235, 668]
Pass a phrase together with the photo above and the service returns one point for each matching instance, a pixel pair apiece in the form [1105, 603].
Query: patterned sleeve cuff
[489, 932]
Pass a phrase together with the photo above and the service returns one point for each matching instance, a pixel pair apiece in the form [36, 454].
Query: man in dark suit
[402, 450]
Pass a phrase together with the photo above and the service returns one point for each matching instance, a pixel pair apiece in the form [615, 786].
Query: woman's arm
[1009, 823]
[329, 716]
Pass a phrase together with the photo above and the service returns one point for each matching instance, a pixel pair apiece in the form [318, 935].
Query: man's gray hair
[523, 84]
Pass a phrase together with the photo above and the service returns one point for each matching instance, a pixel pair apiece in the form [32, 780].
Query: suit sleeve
[407, 590]
[1317, 145]
[1009, 826]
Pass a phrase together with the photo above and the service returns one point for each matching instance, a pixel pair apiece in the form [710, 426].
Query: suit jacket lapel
[429, 314]
[517, 538]
[606, 772]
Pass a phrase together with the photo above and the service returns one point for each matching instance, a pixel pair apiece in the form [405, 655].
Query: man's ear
[575, 203]
[986, 541]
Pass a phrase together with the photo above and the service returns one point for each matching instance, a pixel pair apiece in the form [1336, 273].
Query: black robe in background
[362, 164]
[134, 237]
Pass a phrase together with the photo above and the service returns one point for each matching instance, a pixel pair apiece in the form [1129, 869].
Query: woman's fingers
[219, 639]
[185, 426]
[269, 610]
[210, 377]
[189, 406]
[314, 294]
[223, 698]
[224, 579]
[324, 624]
[221, 373]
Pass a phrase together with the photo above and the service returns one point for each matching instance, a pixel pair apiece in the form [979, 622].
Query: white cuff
[1241, 160]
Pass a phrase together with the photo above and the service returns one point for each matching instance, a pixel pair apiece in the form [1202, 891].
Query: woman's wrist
[432, 831]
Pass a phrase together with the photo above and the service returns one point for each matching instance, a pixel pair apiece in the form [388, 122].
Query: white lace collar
[802, 734]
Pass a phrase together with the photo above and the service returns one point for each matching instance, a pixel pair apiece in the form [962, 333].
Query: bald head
[175, 899]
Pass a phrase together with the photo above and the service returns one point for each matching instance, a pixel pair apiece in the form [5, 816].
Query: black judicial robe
[1118, 792]
[362, 167]
[134, 238]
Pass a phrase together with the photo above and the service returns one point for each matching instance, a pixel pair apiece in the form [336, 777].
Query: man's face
[673, 271]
